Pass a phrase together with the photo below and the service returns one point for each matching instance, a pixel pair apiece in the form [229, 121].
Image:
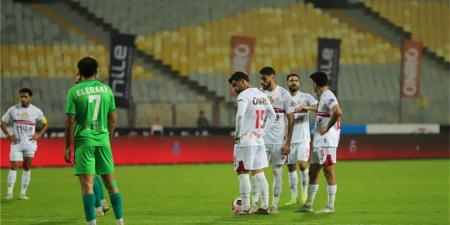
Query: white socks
[92, 222]
[277, 184]
[305, 181]
[312, 191]
[264, 187]
[244, 190]
[293, 184]
[331, 195]
[11, 181]
[26, 177]
[255, 191]
[119, 221]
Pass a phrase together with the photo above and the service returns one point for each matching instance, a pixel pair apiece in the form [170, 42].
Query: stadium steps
[356, 19]
[189, 88]
[149, 60]
[370, 14]
[60, 17]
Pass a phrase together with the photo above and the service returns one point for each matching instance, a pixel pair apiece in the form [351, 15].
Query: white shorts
[324, 156]
[274, 154]
[19, 151]
[250, 158]
[299, 152]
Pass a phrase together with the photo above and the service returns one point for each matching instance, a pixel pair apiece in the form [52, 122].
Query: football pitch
[369, 192]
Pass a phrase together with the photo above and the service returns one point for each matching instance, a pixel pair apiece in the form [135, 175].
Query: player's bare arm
[287, 142]
[11, 138]
[242, 107]
[38, 135]
[70, 123]
[337, 113]
[112, 121]
[304, 108]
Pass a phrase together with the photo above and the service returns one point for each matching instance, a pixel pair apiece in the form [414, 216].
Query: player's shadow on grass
[300, 218]
[58, 222]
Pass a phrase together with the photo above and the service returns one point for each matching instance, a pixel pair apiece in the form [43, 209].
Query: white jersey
[24, 122]
[331, 138]
[282, 104]
[301, 133]
[256, 114]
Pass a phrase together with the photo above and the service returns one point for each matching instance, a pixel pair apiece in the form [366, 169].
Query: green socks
[98, 191]
[116, 202]
[89, 206]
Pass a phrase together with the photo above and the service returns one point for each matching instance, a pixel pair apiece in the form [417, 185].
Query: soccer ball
[236, 205]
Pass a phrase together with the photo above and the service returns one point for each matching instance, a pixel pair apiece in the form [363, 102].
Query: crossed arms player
[326, 139]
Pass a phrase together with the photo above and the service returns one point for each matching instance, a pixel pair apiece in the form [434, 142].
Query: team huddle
[262, 137]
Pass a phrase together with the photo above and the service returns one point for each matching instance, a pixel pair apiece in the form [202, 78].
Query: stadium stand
[195, 44]
[287, 39]
[146, 16]
[427, 21]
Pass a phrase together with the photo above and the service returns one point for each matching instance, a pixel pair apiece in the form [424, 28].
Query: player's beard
[266, 87]
[25, 103]
[293, 88]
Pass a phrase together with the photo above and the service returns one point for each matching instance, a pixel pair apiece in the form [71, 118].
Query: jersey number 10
[259, 118]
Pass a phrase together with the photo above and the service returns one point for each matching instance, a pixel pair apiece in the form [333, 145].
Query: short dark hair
[26, 90]
[320, 78]
[237, 76]
[87, 67]
[267, 71]
[292, 75]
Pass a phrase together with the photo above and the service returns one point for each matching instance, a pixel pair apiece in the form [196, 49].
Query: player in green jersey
[101, 205]
[90, 123]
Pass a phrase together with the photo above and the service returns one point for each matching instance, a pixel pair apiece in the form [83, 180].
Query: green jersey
[90, 101]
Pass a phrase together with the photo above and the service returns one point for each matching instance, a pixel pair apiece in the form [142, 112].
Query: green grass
[369, 192]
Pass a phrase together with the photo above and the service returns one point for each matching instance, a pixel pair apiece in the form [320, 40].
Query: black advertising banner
[121, 62]
[328, 60]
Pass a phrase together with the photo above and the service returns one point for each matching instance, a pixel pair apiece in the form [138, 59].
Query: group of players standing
[262, 136]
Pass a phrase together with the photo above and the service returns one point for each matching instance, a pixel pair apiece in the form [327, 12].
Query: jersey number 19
[259, 118]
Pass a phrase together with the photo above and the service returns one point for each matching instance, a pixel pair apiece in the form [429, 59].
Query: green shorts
[94, 160]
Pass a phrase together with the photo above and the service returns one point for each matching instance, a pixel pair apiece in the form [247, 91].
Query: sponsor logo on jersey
[260, 101]
[25, 115]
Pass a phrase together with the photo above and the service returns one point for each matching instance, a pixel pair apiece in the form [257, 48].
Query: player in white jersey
[24, 117]
[276, 139]
[326, 139]
[254, 115]
[300, 138]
